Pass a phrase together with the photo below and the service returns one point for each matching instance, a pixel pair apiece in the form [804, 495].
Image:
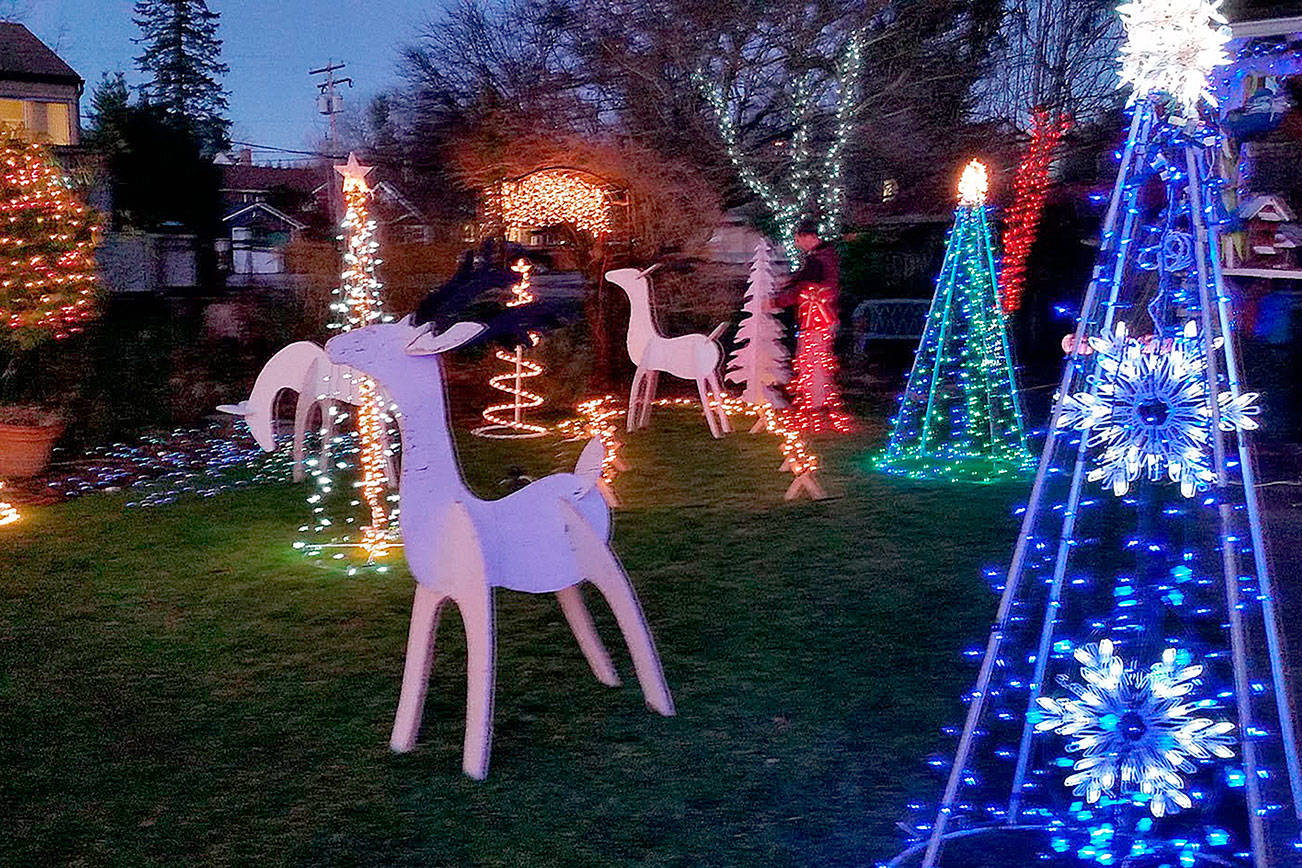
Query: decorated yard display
[48, 289]
[1131, 707]
[759, 364]
[303, 367]
[548, 537]
[690, 357]
[960, 417]
[1030, 187]
[506, 421]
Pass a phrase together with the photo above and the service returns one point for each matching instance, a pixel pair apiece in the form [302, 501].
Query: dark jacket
[822, 268]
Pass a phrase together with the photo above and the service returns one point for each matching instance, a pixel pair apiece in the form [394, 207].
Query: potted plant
[48, 291]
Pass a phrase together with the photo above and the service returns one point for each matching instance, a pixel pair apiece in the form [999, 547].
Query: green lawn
[178, 686]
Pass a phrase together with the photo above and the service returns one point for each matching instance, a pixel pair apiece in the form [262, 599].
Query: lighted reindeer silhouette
[690, 357]
[548, 537]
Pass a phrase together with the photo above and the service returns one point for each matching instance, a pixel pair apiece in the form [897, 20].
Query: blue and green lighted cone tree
[1132, 706]
[959, 417]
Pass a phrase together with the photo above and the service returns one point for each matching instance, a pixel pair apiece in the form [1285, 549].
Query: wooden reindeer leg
[302, 415]
[653, 383]
[599, 566]
[705, 408]
[425, 610]
[481, 679]
[716, 388]
[576, 613]
[474, 598]
[634, 412]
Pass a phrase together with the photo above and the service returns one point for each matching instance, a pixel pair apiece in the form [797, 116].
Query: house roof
[303, 179]
[246, 215]
[23, 57]
[1266, 206]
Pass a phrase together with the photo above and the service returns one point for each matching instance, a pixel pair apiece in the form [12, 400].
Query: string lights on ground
[960, 418]
[8, 513]
[1030, 187]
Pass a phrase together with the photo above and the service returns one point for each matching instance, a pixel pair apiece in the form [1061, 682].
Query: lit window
[890, 189]
[49, 122]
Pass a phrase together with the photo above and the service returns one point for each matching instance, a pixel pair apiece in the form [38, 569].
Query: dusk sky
[269, 44]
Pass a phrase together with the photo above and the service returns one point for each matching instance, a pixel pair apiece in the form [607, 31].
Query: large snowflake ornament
[1149, 411]
[1136, 731]
[1173, 47]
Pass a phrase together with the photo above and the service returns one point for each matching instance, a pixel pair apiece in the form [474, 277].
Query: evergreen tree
[182, 56]
[110, 102]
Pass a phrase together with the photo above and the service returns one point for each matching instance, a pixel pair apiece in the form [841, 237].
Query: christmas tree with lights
[759, 364]
[1132, 706]
[959, 417]
[48, 281]
[368, 450]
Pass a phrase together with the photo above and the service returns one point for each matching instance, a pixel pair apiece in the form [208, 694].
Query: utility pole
[331, 103]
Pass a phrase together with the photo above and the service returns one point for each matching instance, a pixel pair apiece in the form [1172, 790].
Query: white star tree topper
[1172, 47]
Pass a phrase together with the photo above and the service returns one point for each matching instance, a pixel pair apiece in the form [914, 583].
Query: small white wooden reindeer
[300, 367]
[548, 537]
[690, 357]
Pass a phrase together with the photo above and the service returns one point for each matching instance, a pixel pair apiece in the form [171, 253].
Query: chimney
[246, 157]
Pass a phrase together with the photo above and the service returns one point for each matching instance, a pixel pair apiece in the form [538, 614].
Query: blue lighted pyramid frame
[1249, 598]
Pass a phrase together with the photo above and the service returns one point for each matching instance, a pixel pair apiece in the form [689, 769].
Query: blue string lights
[1142, 541]
[960, 418]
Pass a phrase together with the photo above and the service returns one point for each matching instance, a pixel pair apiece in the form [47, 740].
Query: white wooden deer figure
[690, 357]
[548, 537]
[301, 367]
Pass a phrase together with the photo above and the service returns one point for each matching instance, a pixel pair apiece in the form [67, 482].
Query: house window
[890, 190]
[49, 122]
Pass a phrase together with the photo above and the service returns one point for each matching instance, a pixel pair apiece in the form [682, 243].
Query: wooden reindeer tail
[588, 467]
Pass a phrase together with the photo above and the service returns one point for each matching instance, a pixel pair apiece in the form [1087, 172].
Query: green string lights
[806, 188]
[960, 418]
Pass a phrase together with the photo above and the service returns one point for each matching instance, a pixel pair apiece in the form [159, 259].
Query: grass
[177, 685]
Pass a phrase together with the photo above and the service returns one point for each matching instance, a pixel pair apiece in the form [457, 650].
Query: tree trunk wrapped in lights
[960, 417]
[1030, 187]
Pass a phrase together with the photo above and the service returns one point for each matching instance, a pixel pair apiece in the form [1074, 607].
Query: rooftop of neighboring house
[23, 57]
[301, 193]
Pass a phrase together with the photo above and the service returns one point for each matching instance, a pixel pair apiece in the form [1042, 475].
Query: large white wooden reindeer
[690, 357]
[548, 537]
[301, 367]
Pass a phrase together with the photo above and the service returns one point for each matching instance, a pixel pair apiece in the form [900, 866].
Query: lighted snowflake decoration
[1149, 412]
[1173, 47]
[1136, 731]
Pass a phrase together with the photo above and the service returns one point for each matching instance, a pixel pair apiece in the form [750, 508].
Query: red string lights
[818, 405]
[1030, 187]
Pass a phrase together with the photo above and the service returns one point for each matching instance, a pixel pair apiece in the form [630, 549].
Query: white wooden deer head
[549, 536]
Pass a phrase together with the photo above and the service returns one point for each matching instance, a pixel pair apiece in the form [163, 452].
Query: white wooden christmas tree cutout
[301, 367]
[548, 537]
[689, 357]
[760, 364]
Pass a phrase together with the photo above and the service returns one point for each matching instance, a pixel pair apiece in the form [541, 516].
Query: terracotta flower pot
[25, 449]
